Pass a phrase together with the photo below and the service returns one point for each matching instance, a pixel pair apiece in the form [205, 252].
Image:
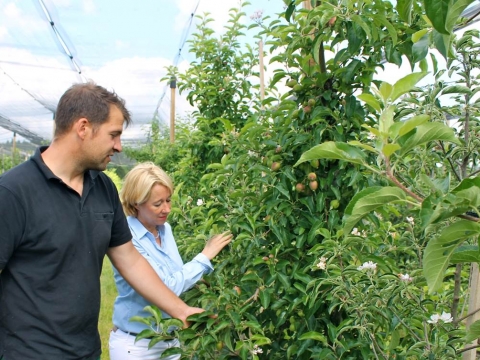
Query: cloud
[89, 6]
[12, 11]
[3, 33]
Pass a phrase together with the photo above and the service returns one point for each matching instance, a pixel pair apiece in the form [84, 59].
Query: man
[59, 216]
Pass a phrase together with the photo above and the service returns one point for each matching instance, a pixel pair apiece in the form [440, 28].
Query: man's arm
[141, 276]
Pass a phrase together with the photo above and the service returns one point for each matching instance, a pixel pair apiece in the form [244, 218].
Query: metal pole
[262, 72]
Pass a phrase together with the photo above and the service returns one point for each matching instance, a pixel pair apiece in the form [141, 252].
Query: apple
[313, 185]
[300, 187]
[315, 163]
[291, 83]
[276, 166]
[312, 176]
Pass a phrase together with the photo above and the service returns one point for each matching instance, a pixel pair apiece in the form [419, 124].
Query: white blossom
[445, 317]
[370, 265]
[358, 233]
[251, 153]
[322, 263]
[199, 202]
[355, 232]
[257, 350]
[410, 220]
[405, 278]
[257, 16]
[434, 319]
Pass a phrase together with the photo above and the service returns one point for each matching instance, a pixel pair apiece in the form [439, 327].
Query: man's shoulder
[19, 175]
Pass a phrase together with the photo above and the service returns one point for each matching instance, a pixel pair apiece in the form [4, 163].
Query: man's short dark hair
[88, 101]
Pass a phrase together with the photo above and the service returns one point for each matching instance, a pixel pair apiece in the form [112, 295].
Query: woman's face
[155, 210]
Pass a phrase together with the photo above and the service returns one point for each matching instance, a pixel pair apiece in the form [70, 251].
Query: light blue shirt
[166, 262]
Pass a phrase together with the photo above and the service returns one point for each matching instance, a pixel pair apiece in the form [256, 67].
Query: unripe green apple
[297, 88]
[291, 83]
[334, 204]
[315, 163]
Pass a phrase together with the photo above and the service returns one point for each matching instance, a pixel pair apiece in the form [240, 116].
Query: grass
[109, 293]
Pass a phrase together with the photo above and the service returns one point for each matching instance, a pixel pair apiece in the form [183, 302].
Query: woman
[146, 200]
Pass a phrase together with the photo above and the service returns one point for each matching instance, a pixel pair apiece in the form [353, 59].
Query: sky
[124, 46]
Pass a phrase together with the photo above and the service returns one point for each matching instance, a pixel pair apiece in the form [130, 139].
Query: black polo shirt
[52, 245]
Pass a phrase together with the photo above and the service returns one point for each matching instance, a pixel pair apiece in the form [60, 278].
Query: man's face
[104, 141]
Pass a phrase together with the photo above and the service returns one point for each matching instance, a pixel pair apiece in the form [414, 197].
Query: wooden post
[173, 86]
[262, 72]
[307, 4]
[14, 147]
[473, 304]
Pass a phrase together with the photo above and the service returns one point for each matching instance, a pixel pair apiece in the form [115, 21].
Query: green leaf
[370, 100]
[469, 191]
[333, 150]
[428, 132]
[442, 43]
[406, 84]
[390, 28]
[290, 10]
[457, 89]
[147, 333]
[386, 119]
[284, 280]
[363, 146]
[313, 335]
[385, 91]
[140, 319]
[473, 333]
[454, 12]
[412, 123]
[420, 49]
[155, 311]
[265, 298]
[439, 250]
[316, 48]
[260, 340]
[404, 9]
[359, 21]
[367, 201]
[418, 35]
[389, 149]
[466, 254]
[437, 11]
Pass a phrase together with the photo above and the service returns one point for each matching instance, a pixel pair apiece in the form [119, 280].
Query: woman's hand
[217, 243]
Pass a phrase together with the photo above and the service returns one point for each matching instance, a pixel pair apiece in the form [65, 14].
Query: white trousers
[122, 346]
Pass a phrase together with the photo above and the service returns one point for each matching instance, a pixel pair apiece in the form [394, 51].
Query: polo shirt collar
[37, 159]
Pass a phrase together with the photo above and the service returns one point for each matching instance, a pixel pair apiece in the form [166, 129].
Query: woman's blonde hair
[138, 184]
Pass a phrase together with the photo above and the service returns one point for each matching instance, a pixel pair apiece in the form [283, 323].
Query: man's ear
[82, 127]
